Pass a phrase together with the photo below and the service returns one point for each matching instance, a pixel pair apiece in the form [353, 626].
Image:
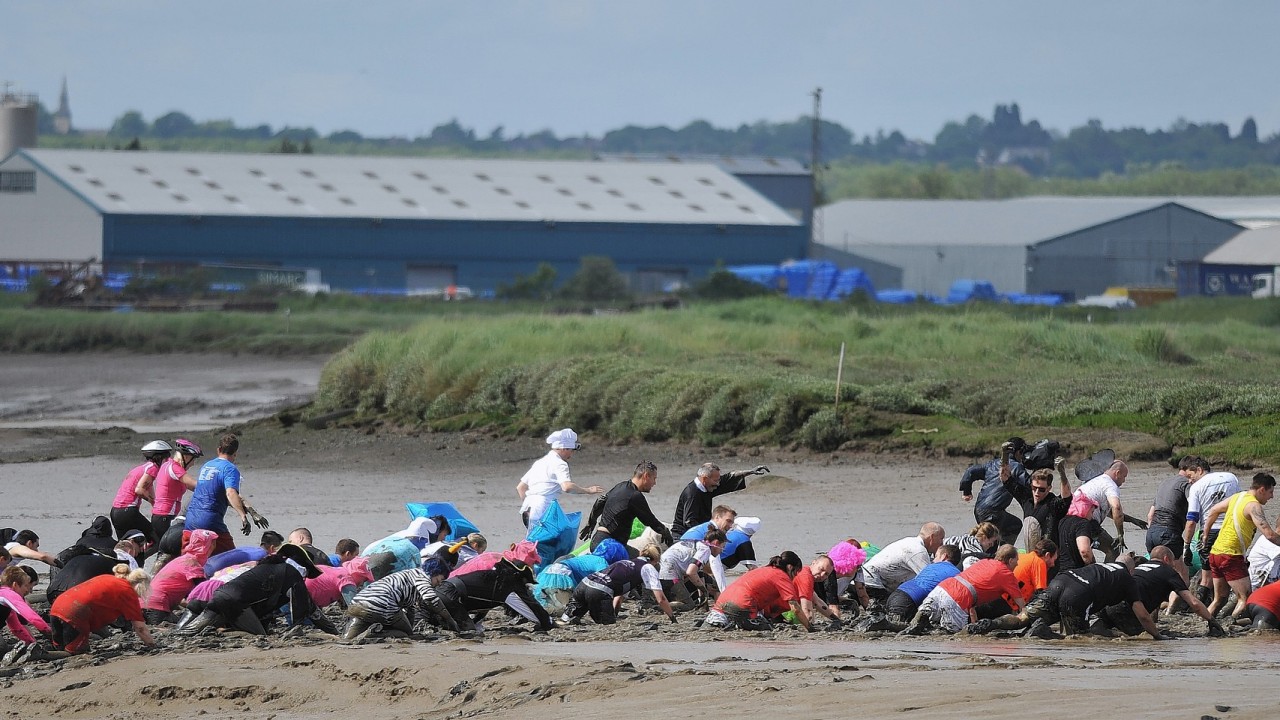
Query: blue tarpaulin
[963, 291]
[459, 525]
[555, 534]
[851, 281]
[1026, 299]
[766, 275]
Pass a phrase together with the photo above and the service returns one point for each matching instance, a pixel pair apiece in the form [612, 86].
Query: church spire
[62, 118]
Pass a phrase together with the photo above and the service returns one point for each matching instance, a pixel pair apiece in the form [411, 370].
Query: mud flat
[354, 483]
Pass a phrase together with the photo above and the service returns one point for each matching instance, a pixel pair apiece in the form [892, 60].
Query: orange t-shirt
[98, 601]
[1032, 572]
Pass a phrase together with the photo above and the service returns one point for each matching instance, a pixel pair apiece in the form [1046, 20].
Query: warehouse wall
[52, 223]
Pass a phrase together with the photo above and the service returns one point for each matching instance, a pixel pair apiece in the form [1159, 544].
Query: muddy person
[172, 482]
[900, 561]
[218, 488]
[694, 505]
[250, 601]
[1156, 579]
[681, 567]
[953, 604]
[96, 603]
[905, 601]
[398, 601]
[549, 476]
[1209, 490]
[1243, 518]
[1071, 596]
[807, 581]
[615, 512]
[1004, 479]
[1046, 509]
[760, 594]
[139, 485]
[1104, 492]
[600, 594]
[1168, 513]
[25, 545]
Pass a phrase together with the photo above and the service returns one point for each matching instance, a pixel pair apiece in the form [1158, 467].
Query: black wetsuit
[248, 600]
[1155, 581]
[481, 591]
[95, 537]
[618, 509]
[695, 505]
[1074, 593]
[78, 569]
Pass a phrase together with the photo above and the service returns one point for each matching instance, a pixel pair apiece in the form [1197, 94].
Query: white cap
[748, 525]
[565, 439]
[419, 527]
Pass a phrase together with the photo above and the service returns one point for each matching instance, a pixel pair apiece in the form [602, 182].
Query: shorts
[1166, 536]
[1228, 567]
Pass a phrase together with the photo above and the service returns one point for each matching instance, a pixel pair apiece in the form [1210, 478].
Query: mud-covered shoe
[982, 627]
[1041, 631]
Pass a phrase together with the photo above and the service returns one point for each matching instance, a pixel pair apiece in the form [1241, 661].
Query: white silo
[18, 121]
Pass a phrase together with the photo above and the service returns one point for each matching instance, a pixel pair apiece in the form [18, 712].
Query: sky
[399, 68]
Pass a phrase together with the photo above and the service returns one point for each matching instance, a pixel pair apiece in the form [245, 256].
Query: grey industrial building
[383, 223]
[1069, 246]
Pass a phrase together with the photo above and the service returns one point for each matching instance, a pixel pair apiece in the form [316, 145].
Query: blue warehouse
[388, 224]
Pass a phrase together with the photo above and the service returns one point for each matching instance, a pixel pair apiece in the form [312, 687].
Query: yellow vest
[1237, 527]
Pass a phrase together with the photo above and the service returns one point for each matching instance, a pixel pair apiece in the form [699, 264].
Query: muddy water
[153, 393]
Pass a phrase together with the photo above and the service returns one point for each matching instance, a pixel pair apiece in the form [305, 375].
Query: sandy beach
[59, 469]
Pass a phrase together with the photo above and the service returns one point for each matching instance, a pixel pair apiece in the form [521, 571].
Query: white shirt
[1261, 559]
[1208, 491]
[897, 563]
[543, 484]
[677, 559]
[1100, 490]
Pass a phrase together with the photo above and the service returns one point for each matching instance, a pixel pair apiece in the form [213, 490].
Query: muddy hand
[761, 470]
[258, 520]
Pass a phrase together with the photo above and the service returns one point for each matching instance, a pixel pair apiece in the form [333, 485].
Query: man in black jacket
[694, 506]
[613, 514]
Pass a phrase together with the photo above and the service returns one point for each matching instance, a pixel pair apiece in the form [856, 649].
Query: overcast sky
[400, 68]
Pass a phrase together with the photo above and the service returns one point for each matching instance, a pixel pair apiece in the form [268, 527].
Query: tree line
[1005, 140]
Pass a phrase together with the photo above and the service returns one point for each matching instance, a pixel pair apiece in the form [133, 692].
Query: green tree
[172, 125]
[597, 280]
[537, 286]
[130, 124]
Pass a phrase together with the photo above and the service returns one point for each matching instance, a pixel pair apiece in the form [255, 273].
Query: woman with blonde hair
[979, 544]
[96, 603]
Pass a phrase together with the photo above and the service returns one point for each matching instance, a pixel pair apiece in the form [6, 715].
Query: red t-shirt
[804, 584]
[98, 601]
[765, 589]
[1268, 597]
[990, 578]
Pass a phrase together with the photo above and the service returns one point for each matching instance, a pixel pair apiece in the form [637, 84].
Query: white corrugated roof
[297, 185]
[1251, 247]
[1016, 222]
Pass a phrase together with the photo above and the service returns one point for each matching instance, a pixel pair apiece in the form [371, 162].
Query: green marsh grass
[763, 371]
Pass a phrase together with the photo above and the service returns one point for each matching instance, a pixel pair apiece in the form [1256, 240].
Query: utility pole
[815, 168]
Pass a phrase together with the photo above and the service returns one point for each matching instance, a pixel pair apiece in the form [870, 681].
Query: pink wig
[847, 558]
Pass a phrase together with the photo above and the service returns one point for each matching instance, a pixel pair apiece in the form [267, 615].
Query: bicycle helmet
[157, 450]
[187, 447]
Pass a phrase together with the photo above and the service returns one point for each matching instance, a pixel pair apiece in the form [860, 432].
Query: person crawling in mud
[600, 594]
[395, 603]
[251, 601]
[766, 592]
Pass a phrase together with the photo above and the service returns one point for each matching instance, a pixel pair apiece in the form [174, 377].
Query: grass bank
[763, 372]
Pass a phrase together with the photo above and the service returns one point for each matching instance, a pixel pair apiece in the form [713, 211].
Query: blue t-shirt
[733, 538]
[922, 584]
[226, 559]
[209, 500]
